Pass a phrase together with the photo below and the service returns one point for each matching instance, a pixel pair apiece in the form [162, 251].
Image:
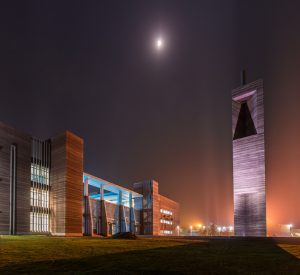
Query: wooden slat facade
[9, 136]
[66, 185]
[155, 208]
[66, 189]
[172, 206]
[150, 206]
[249, 164]
[152, 203]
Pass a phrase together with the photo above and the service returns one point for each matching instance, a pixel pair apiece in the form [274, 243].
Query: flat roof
[97, 182]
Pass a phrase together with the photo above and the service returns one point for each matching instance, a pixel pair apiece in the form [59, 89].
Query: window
[166, 221]
[39, 197]
[40, 186]
[39, 174]
[167, 232]
[39, 222]
[167, 212]
[39, 215]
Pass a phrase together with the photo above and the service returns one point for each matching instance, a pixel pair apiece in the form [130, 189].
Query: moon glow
[159, 43]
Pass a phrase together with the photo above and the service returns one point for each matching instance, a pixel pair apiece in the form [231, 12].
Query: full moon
[159, 43]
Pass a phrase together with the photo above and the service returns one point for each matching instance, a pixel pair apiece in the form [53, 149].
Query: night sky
[91, 67]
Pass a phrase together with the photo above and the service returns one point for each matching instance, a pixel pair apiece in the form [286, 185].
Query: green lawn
[50, 255]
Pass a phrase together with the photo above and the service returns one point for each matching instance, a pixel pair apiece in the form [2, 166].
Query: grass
[50, 255]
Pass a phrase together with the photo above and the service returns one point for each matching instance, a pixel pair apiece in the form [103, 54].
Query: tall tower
[249, 160]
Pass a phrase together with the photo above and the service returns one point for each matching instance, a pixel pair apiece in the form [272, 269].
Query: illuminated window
[40, 186]
[166, 212]
[39, 174]
[167, 232]
[166, 221]
[39, 197]
[39, 222]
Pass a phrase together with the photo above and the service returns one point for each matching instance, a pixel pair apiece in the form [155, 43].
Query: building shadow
[290, 245]
[212, 256]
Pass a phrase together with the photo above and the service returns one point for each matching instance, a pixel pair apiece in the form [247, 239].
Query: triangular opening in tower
[245, 125]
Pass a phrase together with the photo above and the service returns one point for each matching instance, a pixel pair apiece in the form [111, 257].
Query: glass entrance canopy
[111, 192]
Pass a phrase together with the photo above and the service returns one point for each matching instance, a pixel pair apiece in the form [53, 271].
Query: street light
[191, 229]
[178, 230]
[290, 227]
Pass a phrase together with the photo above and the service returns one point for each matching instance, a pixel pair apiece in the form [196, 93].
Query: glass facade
[118, 206]
[39, 222]
[39, 174]
[39, 198]
[40, 187]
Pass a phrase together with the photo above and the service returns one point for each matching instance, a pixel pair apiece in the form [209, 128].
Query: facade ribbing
[249, 160]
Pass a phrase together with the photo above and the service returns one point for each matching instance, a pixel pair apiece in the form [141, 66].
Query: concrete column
[120, 211]
[131, 218]
[86, 217]
[101, 192]
[86, 187]
[101, 202]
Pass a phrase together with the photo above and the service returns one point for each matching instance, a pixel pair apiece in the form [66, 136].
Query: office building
[44, 190]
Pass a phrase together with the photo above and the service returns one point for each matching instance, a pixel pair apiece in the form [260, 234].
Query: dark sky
[90, 67]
